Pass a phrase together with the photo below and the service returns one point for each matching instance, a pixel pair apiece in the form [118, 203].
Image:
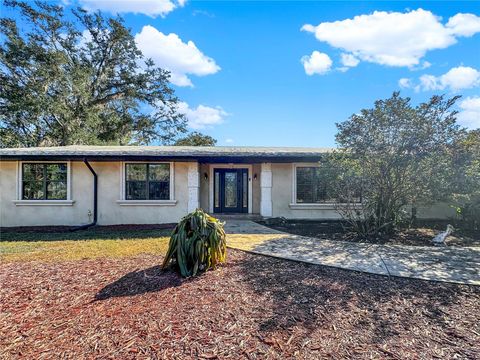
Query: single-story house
[77, 185]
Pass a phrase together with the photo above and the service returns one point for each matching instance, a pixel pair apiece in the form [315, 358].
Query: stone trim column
[266, 190]
[193, 181]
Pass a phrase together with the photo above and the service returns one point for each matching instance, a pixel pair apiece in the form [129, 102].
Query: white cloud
[151, 8]
[229, 141]
[464, 24]
[457, 78]
[349, 60]
[424, 65]
[316, 63]
[469, 115]
[202, 116]
[405, 83]
[393, 38]
[171, 53]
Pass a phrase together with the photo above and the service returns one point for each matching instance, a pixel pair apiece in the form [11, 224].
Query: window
[312, 185]
[321, 184]
[44, 181]
[147, 181]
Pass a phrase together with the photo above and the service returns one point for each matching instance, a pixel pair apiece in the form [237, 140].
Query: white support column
[266, 190]
[193, 179]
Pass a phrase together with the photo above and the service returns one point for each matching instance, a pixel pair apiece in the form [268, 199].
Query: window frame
[327, 205]
[19, 186]
[123, 187]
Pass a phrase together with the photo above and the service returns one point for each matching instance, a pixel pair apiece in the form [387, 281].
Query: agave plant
[197, 244]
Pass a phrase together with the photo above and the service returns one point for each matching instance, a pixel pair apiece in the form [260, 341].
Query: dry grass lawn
[87, 244]
[92, 244]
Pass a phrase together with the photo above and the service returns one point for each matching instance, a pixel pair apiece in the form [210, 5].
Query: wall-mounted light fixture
[205, 175]
[254, 176]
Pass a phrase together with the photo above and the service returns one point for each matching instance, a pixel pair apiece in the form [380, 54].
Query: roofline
[184, 158]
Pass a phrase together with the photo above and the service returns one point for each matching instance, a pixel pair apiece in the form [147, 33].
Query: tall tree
[196, 139]
[403, 155]
[79, 80]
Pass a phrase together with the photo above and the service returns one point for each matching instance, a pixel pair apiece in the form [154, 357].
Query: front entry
[230, 191]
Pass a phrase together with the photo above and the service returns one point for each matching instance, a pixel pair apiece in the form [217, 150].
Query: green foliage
[197, 244]
[398, 155]
[196, 139]
[466, 193]
[469, 211]
[79, 78]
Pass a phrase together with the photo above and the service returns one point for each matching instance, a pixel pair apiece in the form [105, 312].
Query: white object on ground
[440, 238]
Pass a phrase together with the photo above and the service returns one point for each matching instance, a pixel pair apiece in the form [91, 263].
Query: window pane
[136, 190]
[136, 172]
[35, 182]
[217, 189]
[320, 182]
[33, 190]
[57, 190]
[159, 190]
[33, 172]
[230, 189]
[305, 185]
[245, 190]
[358, 195]
[314, 185]
[159, 172]
[56, 172]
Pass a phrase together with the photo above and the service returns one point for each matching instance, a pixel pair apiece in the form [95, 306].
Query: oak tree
[79, 78]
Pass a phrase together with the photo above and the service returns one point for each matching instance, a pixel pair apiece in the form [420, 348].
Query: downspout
[95, 196]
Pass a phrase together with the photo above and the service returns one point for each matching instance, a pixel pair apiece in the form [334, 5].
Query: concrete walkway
[449, 264]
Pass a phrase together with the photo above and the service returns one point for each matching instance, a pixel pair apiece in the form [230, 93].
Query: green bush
[469, 213]
[198, 243]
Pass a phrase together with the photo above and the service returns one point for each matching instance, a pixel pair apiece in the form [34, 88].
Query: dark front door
[230, 191]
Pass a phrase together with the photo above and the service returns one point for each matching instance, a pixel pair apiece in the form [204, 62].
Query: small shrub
[198, 243]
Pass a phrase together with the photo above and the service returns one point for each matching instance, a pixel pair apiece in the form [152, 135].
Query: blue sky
[254, 77]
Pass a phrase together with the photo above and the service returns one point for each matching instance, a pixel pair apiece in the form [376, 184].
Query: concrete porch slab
[458, 265]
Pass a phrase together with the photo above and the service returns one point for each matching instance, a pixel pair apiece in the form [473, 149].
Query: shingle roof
[173, 152]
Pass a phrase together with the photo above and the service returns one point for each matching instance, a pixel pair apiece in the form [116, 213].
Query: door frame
[241, 187]
[229, 166]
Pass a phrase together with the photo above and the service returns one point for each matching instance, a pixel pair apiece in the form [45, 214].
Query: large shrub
[401, 156]
[466, 192]
[198, 243]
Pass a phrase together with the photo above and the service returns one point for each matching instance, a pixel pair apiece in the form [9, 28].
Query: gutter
[95, 198]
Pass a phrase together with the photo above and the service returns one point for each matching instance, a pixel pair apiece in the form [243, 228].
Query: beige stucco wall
[77, 214]
[111, 212]
[282, 180]
[436, 211]
[204, 187]
[109, 188]
[109, 192]
[282, 183]
[256, 170]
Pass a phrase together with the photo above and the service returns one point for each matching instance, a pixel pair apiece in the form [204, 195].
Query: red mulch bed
[420, 236]
[253, 307]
